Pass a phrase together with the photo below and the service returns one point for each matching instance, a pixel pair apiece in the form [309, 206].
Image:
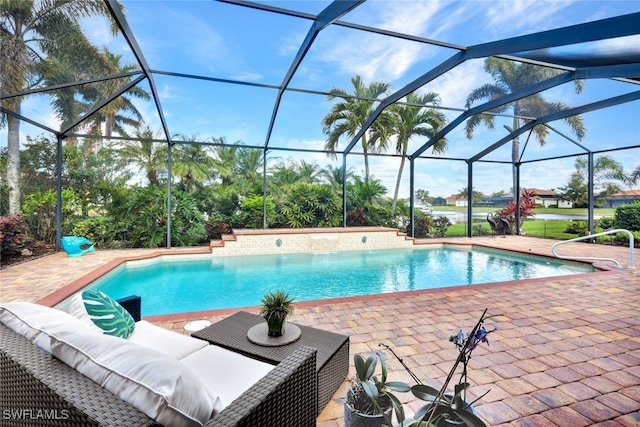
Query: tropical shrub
[422, 226]
[215, 229]
[579, 227]
[144, 215]
[13, 233]
[222, 203]
[428, 226]
[357, 218]
[527, 205]
[606, 223]
[39, 213]
[440, 225]
[309, 205]
[623, 238]
[251, 212]
[628, 217]
[99, 229]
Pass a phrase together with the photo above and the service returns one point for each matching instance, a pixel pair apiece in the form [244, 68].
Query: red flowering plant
[442, 406]
[527, 204]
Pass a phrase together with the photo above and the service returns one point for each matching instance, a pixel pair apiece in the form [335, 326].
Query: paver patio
[566, 351]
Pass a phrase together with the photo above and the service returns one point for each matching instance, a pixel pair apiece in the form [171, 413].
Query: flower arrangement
[443, 408]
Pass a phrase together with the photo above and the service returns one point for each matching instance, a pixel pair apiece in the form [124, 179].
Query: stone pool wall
[262, 242]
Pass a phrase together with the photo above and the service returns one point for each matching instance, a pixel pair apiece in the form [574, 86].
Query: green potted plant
[276, 307]
[442, 408]
[368, 401]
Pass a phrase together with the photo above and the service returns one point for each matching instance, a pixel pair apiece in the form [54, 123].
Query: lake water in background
[461, 217]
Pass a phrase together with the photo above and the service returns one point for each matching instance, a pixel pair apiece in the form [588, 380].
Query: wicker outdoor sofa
[37, 389]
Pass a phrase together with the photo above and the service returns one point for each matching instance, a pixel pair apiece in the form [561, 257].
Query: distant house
[622, 198]
[548, 198]
[499, 201]
[439, 201]
[457, 200]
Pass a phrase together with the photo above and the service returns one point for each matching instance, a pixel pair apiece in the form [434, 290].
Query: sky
[241, 44]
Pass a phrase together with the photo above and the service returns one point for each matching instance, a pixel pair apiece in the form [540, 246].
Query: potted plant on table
[447, 409]
[276, 307]
[368, 401]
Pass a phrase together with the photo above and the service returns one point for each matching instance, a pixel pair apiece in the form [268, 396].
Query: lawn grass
[549, 229]
[538, 209]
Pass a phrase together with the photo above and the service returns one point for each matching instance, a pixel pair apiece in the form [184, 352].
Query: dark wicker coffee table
[332, 358]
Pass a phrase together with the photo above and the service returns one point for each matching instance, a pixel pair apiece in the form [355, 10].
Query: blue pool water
[178, 284]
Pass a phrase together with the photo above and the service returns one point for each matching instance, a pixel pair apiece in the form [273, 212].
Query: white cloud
[376, 57]
[454, 86]
[247, 76]
[522, 16]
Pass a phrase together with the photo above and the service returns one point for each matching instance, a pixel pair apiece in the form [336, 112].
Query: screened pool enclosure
[266, 75]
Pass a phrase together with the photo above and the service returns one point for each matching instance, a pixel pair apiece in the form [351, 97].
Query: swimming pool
[180, 284]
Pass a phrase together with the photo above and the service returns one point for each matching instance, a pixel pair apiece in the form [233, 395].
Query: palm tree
[509, 77]
[335, 175]
[250, 168]
[635, 175]
[112, 114]
[192, 162]
[415, 119]
[148, 155]
[34, 34]
[307, 172]
[283, 177]
[225, 159]
[347, 117]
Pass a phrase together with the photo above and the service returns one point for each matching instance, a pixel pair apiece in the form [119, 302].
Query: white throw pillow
[104, 313]
[36, 322]
[161, 387]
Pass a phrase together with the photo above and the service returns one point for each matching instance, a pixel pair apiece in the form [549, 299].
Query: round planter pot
[352, 418]
[276, 327]
[446, 422]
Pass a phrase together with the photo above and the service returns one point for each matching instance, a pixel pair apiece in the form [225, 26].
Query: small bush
[99, 229]
[251, 215]
[579, 227]
[480, 230]
[39, 213]
[13, 234]
[215, 229]
[357, 218]
[606, 223]
[422, 226]
[628, 217]
[441, 225]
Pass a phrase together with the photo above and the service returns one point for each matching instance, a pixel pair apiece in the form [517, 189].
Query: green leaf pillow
[100, 310]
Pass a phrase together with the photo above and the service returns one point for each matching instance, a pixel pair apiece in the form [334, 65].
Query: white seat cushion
[36, 322]
[154, 383]
[173, 344]
[224, 372]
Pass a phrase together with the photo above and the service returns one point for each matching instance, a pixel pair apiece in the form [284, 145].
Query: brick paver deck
[566, 351]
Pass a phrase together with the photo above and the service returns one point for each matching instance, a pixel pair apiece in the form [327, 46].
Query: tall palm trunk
[395, 194]
[13, 162]
[515, 157]
[366, 159]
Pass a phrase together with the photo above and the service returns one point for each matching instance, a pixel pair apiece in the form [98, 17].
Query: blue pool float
[72, 245]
